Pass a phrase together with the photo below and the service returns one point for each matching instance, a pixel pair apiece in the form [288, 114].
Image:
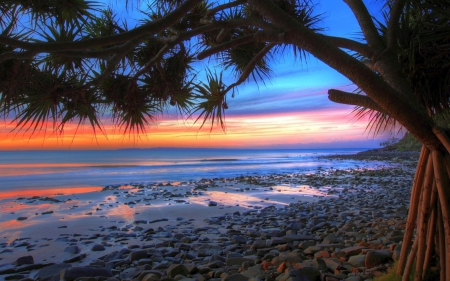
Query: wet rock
[75, 258]
[51, 270]
[24, 260]
[74, 249]
[97, 247]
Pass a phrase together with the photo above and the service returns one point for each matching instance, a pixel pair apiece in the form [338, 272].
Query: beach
[206, 229]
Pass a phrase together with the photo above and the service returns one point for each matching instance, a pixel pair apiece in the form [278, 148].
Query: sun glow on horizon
[242, 131]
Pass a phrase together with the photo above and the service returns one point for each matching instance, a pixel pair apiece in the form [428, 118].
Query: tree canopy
[77, 61]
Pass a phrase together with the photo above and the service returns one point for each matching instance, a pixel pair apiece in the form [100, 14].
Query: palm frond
[213, 101]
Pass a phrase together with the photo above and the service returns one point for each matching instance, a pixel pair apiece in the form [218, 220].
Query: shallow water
[36, 171]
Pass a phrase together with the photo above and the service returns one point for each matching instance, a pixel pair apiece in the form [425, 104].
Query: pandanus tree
[73, 61]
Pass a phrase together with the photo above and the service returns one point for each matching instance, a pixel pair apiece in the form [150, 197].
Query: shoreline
[148, 217]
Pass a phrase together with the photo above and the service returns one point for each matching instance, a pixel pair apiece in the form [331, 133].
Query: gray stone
[73, 273]
[236, 277]
[24, 260]
[238, 239]
[352, 251]
[376, 257]
[97, 247]
[357, 261]
[177, 269]
[258, 244]
[209, 250]
[51, 270]
[137, 255]
[74, 249]
[75, 258]
[237, 261]
[304, 274]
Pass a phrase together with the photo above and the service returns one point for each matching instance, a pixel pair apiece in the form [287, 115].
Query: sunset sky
[290, 111]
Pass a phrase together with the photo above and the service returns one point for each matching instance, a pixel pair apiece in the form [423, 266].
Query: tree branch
[113, 61]
[362, 49]
[149, 28]
[393, 24]
[366, 23]
[225, 46]
[16, 55]
[224, 6]
[156, 58]
[353, 99]
[251, 66]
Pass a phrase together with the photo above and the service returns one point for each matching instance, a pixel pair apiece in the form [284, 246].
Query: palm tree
[79, 63]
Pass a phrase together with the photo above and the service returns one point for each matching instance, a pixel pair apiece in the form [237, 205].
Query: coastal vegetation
[62, 63]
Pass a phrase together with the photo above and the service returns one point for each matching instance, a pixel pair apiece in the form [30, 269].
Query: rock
[258, 244]
[305, 274]
[322, 254]
[97, 247]
[357, 261]
[238, 239]
[73, 273]
[21, 218]
[212, 203]
[137, 255]
[376, 257]
[320, 264]
[51, 270]
[237, 261]
[74, 249]
[294, 237]
[209, 250]
[24, 260]
[236, 277]
[130, 273]
[176, 269]
[311, 250]
[352, 251]
[396, 253]
[75, 258]
[149, 277]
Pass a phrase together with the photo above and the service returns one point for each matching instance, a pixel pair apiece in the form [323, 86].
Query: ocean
[69, 169]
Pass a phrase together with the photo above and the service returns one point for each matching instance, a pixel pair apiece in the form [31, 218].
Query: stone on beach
[24, 260]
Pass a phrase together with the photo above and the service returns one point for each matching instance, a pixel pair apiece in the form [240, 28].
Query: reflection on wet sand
[47, 192]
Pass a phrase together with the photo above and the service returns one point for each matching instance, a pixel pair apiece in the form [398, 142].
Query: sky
[289, 111]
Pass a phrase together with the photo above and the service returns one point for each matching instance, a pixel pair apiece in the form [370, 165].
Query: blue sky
[270, 114]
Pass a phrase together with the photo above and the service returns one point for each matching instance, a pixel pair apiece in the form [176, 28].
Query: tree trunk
[429, 217]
